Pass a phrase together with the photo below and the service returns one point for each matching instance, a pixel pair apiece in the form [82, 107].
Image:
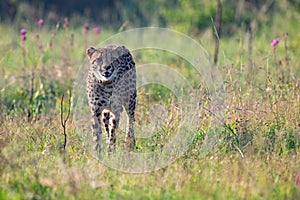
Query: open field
[257, 151]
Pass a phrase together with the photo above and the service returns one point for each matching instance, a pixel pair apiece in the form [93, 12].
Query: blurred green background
[189, 16]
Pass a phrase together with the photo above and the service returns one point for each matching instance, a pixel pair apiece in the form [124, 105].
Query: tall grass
[256, 156]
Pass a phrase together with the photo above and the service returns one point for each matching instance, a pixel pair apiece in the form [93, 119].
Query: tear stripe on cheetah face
[105, 62]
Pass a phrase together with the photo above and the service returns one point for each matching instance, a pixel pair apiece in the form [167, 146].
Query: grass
[256, 155]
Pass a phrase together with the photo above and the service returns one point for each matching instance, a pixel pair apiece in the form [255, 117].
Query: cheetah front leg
[110, 121]
[97, 133]
[130, 110]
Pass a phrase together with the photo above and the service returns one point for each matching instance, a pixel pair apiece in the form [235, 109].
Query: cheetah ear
[90, 51]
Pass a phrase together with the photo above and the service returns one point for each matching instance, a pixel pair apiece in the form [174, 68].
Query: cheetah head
[104, 62]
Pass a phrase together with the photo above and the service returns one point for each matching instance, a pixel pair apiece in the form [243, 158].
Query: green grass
[256, 156]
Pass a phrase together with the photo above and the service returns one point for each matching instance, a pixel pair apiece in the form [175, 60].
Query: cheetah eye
[97, 61]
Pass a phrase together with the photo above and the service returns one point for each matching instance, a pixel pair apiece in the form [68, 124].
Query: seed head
[23, 37]
[86, 27]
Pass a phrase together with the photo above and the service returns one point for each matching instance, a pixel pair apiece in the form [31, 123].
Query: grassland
[256, 156]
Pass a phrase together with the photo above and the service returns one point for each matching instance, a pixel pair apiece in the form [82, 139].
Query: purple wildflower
[66, 20]
[96, 30]
[23, 31]
[86, 27]
[66, 23]
[41, 22]
[275, 42]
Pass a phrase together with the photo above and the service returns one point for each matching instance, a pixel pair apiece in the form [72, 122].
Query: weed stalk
[65, 120]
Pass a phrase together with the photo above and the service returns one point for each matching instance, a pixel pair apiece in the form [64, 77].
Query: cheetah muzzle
[111, 85]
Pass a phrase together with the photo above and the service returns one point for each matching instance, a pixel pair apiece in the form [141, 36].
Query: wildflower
[23, 34]
[23, 38]
[66, 23]
[23, 31]
[41, 22]
[275, 42]
[66, 20]
[86, 27]
[96, 30]
[280, 62]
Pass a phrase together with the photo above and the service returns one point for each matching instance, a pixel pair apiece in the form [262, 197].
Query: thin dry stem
[64, 121]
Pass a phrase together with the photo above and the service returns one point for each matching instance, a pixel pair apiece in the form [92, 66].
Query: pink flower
[96, 30]
[86, 27]
[41, 22]
[23, 37]
[23, 31]
[275, 42]
[66, 23]
[66, 20]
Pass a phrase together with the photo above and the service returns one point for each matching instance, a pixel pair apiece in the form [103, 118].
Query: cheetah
[111, 86]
